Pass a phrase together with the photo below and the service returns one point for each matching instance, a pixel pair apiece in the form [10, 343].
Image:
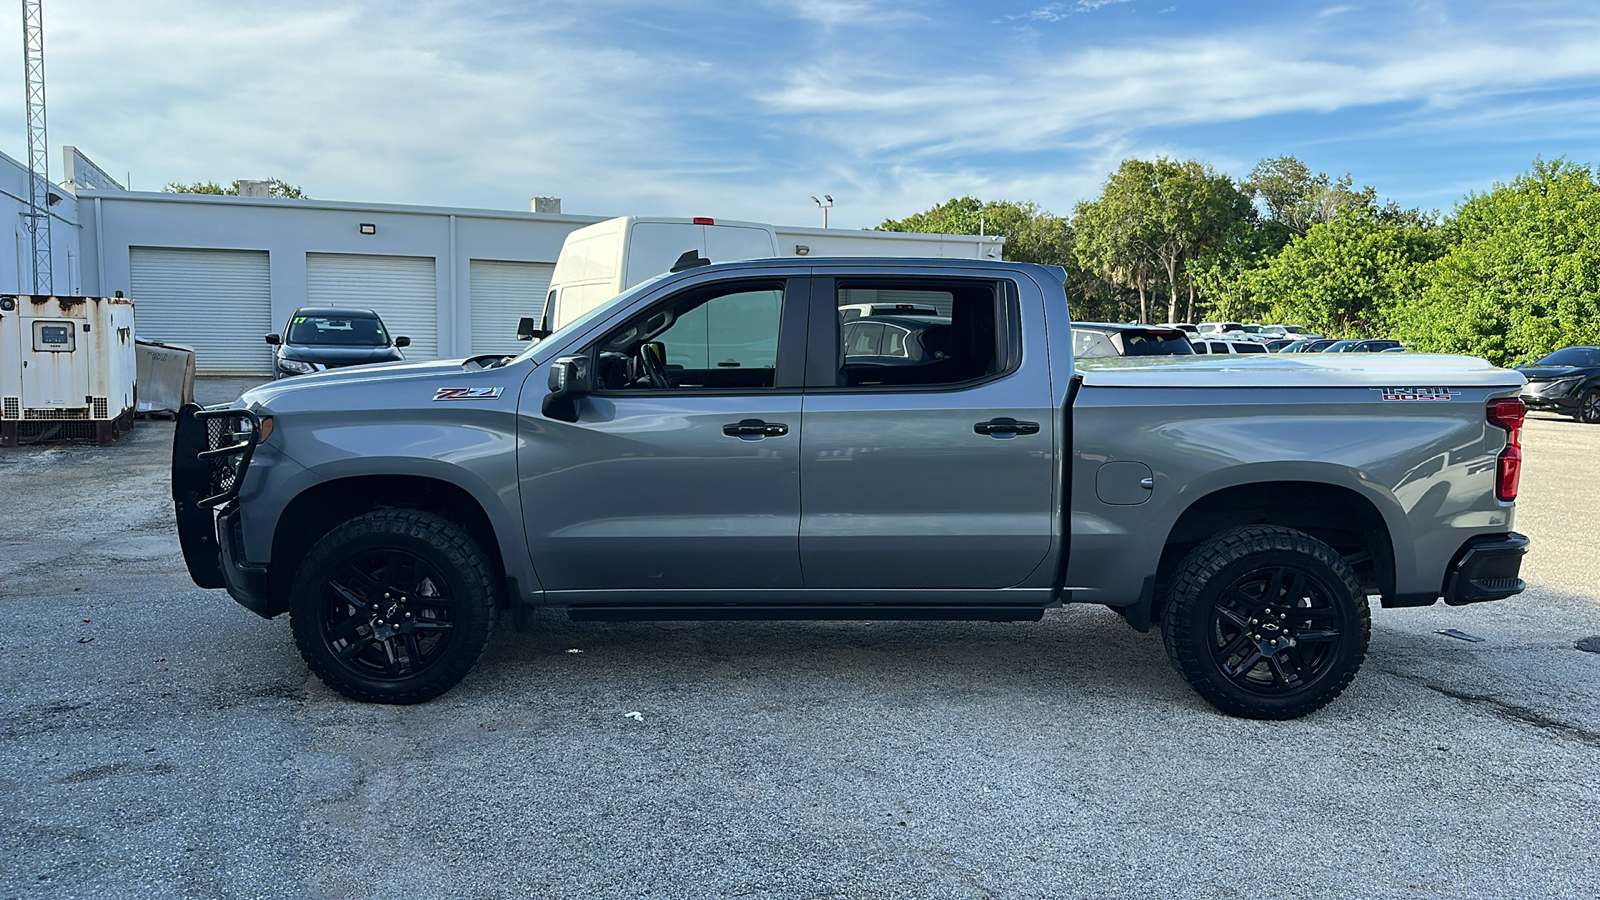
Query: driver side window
[723, 338]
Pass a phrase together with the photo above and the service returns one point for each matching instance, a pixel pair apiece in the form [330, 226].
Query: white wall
[114, 221]
[16, 260]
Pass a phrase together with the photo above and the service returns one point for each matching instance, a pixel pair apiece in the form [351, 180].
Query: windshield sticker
[478, 393]
[1418, 393]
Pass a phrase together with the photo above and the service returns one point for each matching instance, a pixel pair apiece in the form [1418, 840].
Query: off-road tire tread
[462, 552]
[1204, 563]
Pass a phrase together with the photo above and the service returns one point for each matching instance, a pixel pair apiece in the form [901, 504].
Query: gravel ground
[160, 741]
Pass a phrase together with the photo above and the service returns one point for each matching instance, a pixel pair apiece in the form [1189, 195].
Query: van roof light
[704, 220]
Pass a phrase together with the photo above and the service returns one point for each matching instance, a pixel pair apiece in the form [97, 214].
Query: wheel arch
[322, 507]
[1340, 516]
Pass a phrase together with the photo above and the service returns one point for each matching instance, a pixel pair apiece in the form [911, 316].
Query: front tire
[1266, 622]
[393, 606]
[1589, 407]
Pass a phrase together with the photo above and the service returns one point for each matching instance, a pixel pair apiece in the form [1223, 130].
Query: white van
[606, 258]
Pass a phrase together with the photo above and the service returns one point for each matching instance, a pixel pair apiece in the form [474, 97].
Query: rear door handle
[755, 429]
[1005, 427]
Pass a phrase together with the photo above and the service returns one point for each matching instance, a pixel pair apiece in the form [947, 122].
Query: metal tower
[38, 214]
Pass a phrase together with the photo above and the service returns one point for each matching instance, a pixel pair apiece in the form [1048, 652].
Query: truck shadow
[1078, 651]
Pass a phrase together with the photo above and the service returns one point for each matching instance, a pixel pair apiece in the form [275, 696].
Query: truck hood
[1297, 370]
[380, 385]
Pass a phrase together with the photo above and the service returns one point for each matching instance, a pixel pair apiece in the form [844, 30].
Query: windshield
[1573, 356]
[1155, 343]
[347, 331]
[598, 312]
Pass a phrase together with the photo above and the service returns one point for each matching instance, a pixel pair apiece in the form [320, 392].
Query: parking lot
[160, 741]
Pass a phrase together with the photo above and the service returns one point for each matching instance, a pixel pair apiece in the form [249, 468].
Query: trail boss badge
[1418, 393]
[478, 393]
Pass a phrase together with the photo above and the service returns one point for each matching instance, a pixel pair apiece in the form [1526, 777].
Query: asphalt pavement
[158, 740]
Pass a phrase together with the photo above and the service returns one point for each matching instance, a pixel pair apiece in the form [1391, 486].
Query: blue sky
[744, 110]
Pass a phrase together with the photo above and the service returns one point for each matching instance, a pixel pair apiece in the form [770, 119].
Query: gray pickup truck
[709, 446]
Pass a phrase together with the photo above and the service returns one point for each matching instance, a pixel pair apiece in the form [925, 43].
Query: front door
[929, 459]
[681, 474]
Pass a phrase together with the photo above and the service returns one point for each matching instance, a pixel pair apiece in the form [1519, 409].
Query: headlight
[296, 366]
[1561, 386]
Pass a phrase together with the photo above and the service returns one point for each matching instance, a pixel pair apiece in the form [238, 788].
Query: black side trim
[1486, 568]
[1065, 454]
[978, 612]
[519, 608]
[1140, 613]
[246, 583]
[1421, 598]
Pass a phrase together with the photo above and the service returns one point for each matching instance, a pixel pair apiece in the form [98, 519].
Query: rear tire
[1266, 622]
[393, 606]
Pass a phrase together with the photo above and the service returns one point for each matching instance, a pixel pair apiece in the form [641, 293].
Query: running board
[977, 612]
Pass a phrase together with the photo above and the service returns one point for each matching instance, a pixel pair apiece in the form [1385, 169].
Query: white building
[218, 273]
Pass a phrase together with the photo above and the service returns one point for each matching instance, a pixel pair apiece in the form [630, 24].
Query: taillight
[704, 220]
[1508, 414]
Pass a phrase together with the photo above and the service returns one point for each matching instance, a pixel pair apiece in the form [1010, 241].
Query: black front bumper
[211, 451]
[1486, 568]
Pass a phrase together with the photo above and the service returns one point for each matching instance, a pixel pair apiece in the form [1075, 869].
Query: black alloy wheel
[393, 606]
[1266, 622]
[1589, 407]
[387, 614]
[1274, 629]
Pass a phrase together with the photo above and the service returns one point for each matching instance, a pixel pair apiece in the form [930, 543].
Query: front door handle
[1005, 427]
[755, 429]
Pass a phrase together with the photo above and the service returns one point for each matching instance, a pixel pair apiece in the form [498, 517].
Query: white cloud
[1056, 12]
[464, 104]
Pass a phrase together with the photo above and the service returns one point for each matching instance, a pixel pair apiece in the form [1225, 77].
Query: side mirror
[274, 340]
[402, 341]
[528, 329]
[569, 383]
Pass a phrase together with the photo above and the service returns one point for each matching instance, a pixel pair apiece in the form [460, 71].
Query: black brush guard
[211, 450]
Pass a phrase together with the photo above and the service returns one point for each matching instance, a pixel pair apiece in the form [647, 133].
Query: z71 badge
[1417, 393]
[478, 393]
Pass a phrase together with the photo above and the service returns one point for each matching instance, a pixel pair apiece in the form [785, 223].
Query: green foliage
[1523, 276]
[1152, 220]
[275, 188]
[1032, 234]
[1347, 277]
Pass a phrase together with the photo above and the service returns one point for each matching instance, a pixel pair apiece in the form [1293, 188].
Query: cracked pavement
[159, 741]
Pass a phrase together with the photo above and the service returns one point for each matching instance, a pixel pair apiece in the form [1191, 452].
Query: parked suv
[1091, 340]
[1567, 381]
[319, 338]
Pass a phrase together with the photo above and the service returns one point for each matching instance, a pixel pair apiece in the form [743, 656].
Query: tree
[1032, 234]
[275, 188]
[1523, 275]
[1346, 277]
[1152, 219]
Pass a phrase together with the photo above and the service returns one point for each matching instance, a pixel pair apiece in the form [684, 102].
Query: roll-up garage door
[217, 301]
[502, 293]
[401, 289]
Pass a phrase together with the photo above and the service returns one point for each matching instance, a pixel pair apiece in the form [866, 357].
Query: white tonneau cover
[1297, 370]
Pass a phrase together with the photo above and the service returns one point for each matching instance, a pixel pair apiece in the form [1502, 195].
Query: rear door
[937, 471]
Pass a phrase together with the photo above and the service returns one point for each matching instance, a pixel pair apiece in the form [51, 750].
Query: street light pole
[823, 206]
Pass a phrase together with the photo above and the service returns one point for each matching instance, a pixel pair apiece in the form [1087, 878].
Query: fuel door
[1124, 483]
